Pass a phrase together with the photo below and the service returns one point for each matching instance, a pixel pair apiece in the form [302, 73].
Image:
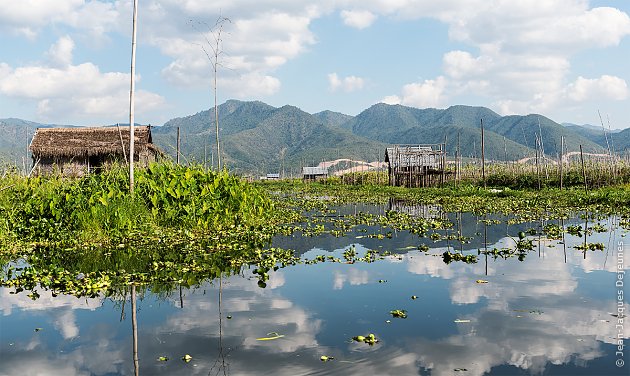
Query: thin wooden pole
[131, 96]
[26, 151]
[583, 169]
[483, 157]
[505, 152]
[561, 161]
[458, 163]
[178, 143]
[537, 162]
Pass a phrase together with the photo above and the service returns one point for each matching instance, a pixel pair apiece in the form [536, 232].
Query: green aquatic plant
[398, 313]
[370, 339]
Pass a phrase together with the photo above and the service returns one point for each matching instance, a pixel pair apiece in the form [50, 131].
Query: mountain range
[256, 138]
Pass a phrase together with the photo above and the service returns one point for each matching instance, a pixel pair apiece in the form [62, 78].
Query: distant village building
[314, 173]
[415, 165]
[80, 150]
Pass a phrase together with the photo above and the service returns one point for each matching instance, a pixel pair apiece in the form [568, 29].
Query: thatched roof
[89, 141]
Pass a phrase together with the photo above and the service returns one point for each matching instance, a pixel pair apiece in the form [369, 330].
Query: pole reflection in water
[220, 365]
[134, 329]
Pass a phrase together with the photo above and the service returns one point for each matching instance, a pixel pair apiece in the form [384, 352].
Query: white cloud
[347, 84]
[429, 93]
[66, 91]
[525, 52]
[28, 17]
[60, 53]
[609, 87]
[359, 19]
[459, 64]
[354, 276]
[520, 51]
[391, 99]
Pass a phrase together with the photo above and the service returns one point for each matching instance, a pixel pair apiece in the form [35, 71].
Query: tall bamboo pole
[131, 96]
[483, 157]
[561, 160]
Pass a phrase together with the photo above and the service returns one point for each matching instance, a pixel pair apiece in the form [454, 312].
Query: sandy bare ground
[358, 165]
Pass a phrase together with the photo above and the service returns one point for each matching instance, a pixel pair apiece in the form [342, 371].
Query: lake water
[556, 312]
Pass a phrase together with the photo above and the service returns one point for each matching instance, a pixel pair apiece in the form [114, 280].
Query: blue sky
[67, 61]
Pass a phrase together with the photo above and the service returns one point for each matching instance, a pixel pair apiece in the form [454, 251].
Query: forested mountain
[401, 124]
[257, 138]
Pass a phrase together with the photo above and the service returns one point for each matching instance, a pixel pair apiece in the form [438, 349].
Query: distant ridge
[258, 138]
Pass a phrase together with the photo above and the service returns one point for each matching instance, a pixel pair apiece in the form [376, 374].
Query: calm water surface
[552, 313]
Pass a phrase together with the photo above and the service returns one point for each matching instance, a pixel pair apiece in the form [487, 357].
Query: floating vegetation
[590, 247]
[370, 339]
[184, 226]
[449, 257]
[398, 313]
[270, 336]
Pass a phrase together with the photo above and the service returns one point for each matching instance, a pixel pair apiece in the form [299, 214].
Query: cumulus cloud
[353, 276]
[391, 99]
[359, 19]
[429, 93]
[459, 64]
[609, 87]
[524, 52]
[28, 17]
[66, 91]
[60, 53]
[347, 84]
[519, 51]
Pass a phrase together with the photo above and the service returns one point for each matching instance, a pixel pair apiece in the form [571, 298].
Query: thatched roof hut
[75, 151]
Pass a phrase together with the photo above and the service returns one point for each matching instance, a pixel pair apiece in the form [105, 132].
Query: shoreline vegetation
[185, 225]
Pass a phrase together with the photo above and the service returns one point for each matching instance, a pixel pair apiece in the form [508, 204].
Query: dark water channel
[556, 312]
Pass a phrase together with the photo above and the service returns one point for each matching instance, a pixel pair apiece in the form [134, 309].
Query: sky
[68, 61]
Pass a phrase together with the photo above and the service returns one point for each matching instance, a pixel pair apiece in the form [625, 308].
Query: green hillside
[267, 139]
[469, 142]
[390, 123]
[15, 136]
[257, 138]
[331, 118]
[524, 130]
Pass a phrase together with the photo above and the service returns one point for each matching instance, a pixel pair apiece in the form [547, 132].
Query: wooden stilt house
[80, 150]
[415, 165]
[314, 173]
